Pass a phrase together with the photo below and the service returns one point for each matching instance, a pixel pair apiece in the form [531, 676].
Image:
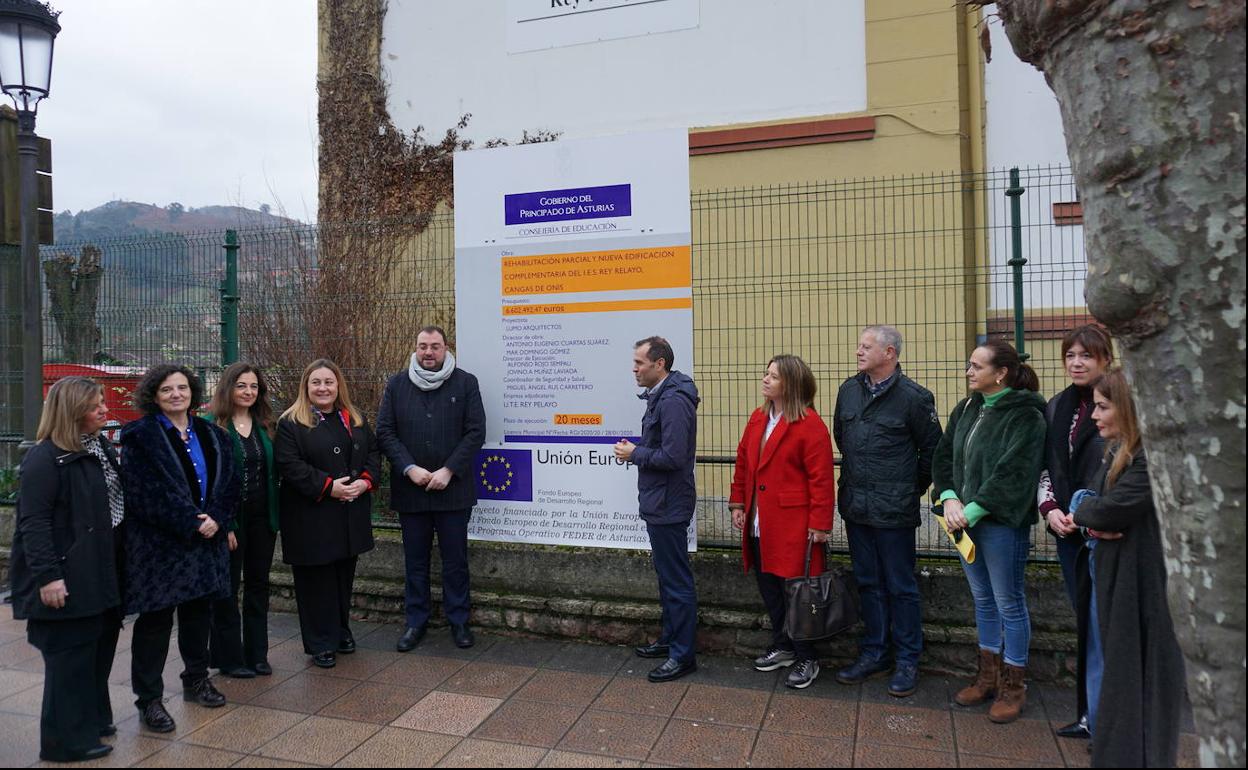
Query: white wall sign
[536, 24]
[566, 253]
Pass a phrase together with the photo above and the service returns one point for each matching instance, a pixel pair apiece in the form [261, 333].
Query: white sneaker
[803, 674]
[774, 659]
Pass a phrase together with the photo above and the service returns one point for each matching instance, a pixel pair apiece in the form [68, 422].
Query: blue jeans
[1094, 656]
[998, 589]
[677, 595]
[883, 561]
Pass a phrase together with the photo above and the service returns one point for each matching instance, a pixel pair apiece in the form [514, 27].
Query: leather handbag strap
[810, 541]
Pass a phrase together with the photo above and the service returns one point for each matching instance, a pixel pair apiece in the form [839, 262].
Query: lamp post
[28, 30]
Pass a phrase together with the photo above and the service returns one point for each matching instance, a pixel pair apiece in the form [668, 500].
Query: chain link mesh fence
[793, 268]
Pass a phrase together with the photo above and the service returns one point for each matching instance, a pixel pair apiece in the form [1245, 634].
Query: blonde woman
[329, 463]
[64, 568]
[783, 495]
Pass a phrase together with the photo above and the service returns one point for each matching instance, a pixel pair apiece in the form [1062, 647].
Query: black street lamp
[28, 30]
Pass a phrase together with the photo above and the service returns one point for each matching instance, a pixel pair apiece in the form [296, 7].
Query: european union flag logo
[505, 474]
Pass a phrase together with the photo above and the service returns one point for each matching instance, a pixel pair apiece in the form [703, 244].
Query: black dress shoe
[108, 730]
[325, 660]
[347, 645]
[203, 693]
[652, 650]
[410, 638]
[462, 635]
[156, 719]
[85, 755]
[263, 669]
[1078, 729]
[238, 672]
[670, 669]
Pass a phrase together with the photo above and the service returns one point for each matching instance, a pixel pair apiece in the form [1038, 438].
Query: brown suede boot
[985, 684]
[1011, 695]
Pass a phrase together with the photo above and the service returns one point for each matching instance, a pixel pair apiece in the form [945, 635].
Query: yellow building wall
[802, 269]
[920, 78]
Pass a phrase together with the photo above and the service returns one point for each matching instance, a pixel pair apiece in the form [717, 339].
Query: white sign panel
[566, 254]
[533, 25]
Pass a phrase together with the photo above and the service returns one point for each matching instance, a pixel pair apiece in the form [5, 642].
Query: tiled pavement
[537, 703]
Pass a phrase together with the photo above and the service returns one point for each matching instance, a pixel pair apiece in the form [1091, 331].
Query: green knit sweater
[991, 455]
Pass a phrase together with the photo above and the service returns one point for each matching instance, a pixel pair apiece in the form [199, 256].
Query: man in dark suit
[431, 426]
[666, 497]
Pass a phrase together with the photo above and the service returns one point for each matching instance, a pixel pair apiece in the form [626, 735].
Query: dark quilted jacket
[167, 561]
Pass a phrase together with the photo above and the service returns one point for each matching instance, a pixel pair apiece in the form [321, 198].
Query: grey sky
[203, 102]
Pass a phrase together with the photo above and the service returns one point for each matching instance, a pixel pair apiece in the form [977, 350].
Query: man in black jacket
[886, 428]
[431, 426]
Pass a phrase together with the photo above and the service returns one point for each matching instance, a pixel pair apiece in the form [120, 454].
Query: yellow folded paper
[960, 539]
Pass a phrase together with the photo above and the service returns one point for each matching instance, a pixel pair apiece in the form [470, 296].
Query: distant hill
[127, 219]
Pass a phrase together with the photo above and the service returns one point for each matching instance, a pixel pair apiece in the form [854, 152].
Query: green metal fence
[795, 268]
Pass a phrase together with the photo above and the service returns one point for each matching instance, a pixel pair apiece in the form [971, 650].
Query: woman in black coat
[328, 460]
[1135, 721]
[181, 494]
[64, 568]
[1072, 458]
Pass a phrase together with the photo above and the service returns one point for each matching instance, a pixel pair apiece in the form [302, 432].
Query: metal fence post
[1015, 194]
[229, 301]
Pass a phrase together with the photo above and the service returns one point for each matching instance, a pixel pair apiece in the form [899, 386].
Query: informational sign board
[537, 24]
[566, 254]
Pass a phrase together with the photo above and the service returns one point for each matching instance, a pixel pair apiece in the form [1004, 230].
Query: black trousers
[771, 587]
[77, 660]
[151, 646]
[452, 530]
[323, 594]
[244, 641]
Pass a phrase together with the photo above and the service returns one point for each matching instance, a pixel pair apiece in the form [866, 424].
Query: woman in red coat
[782, 496]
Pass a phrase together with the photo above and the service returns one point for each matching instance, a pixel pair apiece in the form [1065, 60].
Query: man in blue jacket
[431, 425]
[666, 498]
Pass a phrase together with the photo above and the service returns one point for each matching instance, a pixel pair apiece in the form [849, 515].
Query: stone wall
[610, 596]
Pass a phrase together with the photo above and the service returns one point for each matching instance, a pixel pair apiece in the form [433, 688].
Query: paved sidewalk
[525, 703]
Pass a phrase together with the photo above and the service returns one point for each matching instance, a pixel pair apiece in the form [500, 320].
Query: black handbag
[821, 606]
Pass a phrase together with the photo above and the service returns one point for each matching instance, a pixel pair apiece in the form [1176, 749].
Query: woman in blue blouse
[181, 492]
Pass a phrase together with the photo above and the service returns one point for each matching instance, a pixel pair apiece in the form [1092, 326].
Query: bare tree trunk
[1152, 100]
[73, 296]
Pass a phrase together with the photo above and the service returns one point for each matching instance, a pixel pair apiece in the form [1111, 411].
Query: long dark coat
[318, 529]
[167, 561]
[1138, 720]
[64, 532]
[432, 429]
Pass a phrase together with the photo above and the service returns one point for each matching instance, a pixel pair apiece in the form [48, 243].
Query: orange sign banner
[662, 267]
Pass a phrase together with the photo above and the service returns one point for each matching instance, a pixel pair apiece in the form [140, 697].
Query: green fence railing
[948, 259]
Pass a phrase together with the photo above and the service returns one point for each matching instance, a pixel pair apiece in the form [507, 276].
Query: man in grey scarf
[431, 426]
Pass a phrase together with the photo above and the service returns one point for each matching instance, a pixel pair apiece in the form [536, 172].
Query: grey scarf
[427, 380]
[116, 507]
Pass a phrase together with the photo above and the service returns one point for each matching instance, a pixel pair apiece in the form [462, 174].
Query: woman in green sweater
[986, 469]
[240, 405]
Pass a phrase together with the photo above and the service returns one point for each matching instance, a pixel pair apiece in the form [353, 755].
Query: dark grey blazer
[432, 429]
